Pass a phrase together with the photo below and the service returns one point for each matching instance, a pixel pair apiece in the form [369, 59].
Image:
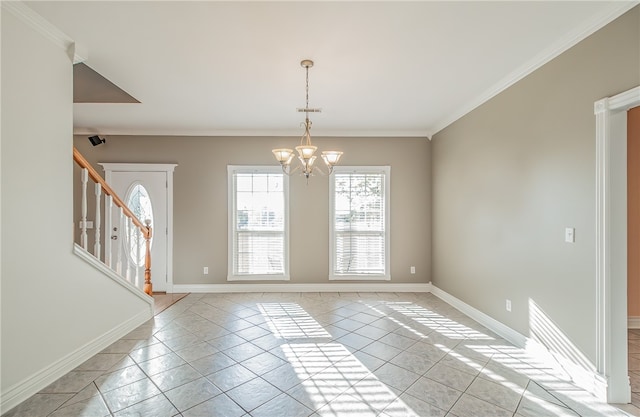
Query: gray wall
[200, 199]
[511, 175]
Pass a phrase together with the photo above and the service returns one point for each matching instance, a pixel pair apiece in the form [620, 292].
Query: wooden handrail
[93, 174]
[145, 229]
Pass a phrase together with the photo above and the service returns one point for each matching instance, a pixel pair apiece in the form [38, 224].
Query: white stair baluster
[132, 275]
[97, 225]
[119, 237]
[83, 219]
[108, 213]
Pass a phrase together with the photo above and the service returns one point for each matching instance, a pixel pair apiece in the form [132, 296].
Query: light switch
[570, 235]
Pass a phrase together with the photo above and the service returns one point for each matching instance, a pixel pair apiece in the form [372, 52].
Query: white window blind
[258, 223]
[359, 223]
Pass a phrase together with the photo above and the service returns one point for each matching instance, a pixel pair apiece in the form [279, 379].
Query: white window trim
[231, 204]
[387, 216]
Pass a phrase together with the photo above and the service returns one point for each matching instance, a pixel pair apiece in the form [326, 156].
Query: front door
[145, 191]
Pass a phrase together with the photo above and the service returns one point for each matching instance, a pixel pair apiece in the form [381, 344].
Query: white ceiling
[381, 68]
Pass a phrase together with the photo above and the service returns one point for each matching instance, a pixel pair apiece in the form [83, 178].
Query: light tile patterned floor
[634, 365]
[310, 354]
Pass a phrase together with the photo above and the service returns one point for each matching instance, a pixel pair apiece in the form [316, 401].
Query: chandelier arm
[305, 139]
[290, 171]
[304, 135]
[321, 171]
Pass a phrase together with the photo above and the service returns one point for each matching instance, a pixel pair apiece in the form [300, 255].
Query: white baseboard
[489, 322]
[633, 322]
[586, 379]
[19, 392]
[321, 287]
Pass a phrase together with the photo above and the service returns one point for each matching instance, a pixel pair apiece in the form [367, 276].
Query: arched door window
[139, 203]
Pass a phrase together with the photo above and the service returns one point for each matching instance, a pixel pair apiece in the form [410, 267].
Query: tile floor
[162, 300]
[311, 354]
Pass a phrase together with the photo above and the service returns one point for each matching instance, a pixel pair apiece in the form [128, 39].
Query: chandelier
[306, 150]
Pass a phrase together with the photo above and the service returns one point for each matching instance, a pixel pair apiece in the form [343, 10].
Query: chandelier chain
[307, 106]
[306, 136]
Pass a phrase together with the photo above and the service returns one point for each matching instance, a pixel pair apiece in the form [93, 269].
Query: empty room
[385, 208]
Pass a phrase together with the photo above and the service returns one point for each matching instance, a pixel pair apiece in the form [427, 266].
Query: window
[258, 223]
[359, 210]
[139, 203]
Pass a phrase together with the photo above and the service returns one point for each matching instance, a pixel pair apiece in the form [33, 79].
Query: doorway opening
[611, 244]
[148, 191]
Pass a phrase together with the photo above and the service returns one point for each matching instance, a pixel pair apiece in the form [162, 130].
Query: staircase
[120, 258]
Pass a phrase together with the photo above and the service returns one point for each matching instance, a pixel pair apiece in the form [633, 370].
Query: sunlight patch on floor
[290, 321]
[338, 383]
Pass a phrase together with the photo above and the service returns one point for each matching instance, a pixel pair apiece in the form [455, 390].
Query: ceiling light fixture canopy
[306, 149]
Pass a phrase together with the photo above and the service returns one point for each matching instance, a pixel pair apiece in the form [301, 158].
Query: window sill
[360, 277]
[258, 278]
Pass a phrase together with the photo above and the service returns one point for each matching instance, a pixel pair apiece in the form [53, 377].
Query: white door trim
[168, 168]
[611, 242]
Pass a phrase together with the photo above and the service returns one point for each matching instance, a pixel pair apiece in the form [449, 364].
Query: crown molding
[252, 133]
[538, 61]
[45, 28]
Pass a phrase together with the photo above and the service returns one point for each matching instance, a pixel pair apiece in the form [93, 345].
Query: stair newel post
[132, 276]
[98, 225]
[148, 287]
[83, 220]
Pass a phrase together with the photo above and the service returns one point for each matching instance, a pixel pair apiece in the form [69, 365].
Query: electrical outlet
[205, 270]
[508, 305]
[413, 269]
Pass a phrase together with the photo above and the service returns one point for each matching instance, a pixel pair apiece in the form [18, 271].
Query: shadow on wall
[548, 336]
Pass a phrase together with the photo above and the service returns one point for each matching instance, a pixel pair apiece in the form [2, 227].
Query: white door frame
[168, 168]
[611, 243]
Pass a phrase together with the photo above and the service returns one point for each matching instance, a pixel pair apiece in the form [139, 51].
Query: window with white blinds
[359, 205]
[258, 223]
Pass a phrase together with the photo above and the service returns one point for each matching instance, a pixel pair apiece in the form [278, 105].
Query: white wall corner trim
[91, 260]
[19, 392]
[611, 242]
[19, 9]
[323, 287]
[591, 381]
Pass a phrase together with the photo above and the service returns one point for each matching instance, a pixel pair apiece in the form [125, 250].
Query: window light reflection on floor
[453, 330]
[290, 321]
[436, 322]
[343, 385]
[332, 379]
[399, 323]
[335, 382]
